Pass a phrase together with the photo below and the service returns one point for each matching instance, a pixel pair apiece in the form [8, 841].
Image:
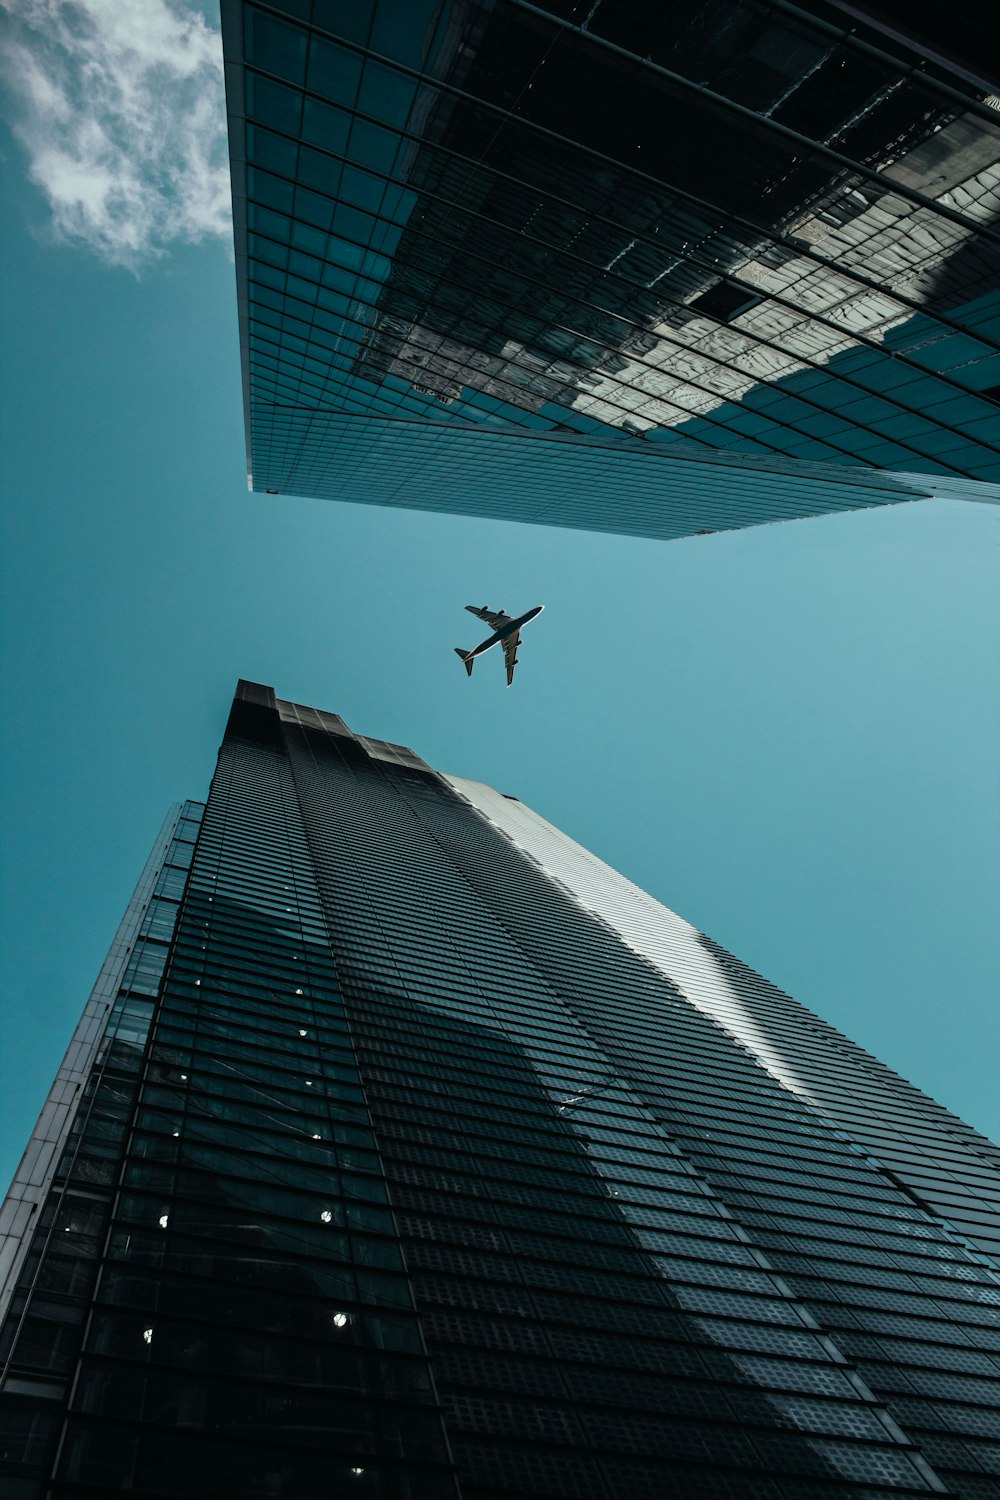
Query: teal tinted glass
[334, 71]
[275, 44]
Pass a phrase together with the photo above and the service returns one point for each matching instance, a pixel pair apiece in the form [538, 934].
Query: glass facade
[418, 1155]
[649, 268]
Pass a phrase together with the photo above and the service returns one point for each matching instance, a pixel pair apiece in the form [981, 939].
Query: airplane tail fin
[467, 659]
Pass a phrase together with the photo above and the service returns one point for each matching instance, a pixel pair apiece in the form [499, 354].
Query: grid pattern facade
[422, 1180]
[660, 269]
[941, 1161]
[34, 1178]
[68, 1177]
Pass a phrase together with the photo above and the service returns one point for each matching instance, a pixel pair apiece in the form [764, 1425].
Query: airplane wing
[510, 646]
[493, 617]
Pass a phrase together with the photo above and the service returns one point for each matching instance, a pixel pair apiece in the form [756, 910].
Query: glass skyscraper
[656, 268]
[405, 1150]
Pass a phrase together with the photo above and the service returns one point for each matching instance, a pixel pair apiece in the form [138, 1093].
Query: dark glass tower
[405, 1150]
[656, 268]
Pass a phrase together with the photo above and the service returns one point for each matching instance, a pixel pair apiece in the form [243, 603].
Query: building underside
[650, 268]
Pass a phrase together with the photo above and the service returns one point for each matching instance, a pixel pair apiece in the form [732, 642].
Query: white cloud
[122, 114]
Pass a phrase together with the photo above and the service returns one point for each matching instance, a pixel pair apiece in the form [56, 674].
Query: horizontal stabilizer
[467, 658]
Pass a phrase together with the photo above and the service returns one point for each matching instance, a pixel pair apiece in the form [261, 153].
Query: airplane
[505, 629]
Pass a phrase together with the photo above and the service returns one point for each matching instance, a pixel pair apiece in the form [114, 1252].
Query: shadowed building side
[421, 1156]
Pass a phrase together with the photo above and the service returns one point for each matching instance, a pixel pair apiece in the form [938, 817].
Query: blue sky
[791, 735]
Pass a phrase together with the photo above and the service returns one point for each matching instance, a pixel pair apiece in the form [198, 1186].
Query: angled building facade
[406, 1150]
[656, 269]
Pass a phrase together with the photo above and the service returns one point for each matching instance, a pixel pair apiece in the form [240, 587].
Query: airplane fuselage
[510, 628]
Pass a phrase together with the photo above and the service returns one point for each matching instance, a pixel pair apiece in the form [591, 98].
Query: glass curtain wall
[413, 1178]
[487, 237]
